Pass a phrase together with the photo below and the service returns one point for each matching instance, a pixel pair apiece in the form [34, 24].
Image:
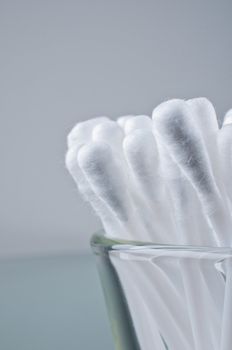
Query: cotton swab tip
[82, 131]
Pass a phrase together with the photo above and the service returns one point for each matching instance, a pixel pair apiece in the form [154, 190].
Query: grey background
[62, 62]
[68, 60]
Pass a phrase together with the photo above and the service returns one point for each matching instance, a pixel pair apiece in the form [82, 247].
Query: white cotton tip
[123, 119]
[110, 223]
[82, 131]
[204, 115]
[174, 124]
[107, 179]
[228, 118]
[98, 163]
[137, 122]
[77, 174]
[110, 133]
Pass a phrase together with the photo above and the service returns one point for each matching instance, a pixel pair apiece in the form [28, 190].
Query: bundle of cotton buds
[164, 179]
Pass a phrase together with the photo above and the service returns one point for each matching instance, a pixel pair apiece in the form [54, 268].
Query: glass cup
[166, 297]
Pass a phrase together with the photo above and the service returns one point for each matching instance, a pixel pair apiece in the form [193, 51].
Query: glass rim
[99, 240]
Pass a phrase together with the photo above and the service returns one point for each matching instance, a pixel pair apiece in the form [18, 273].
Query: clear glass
[166, 297]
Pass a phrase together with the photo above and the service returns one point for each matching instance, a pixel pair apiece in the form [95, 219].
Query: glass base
[162, 297]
